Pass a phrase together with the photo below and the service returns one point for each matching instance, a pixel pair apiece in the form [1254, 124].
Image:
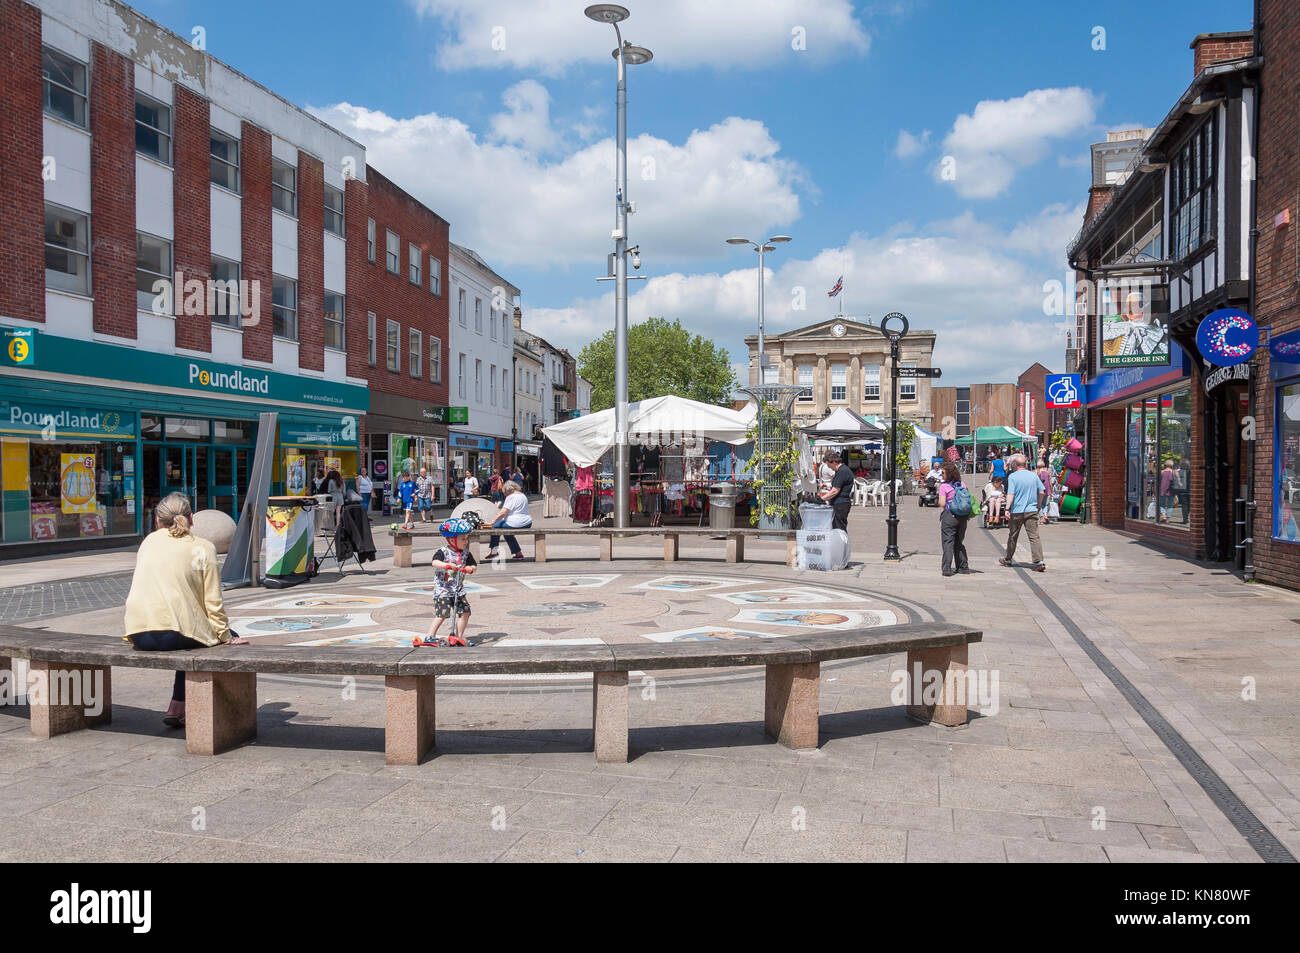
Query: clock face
[838, 330]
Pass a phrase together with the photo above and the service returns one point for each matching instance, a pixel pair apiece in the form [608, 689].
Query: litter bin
[288, 546]
[816, 515]
[722, 506]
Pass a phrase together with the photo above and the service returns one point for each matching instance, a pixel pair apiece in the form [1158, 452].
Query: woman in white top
[365, 487]
[513, 515]
[471, 485]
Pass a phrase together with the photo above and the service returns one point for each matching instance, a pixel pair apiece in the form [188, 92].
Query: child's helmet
[455, 527]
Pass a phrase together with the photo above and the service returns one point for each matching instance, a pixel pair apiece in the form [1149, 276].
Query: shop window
[284, 307]
[334, 312]
[223, 164]
[334, 210]
[67, 255]
[153, 264]
[1286, 482]
[64, 80]
[284, 187]
[79, 490]
[1158, 452]
[153, 128]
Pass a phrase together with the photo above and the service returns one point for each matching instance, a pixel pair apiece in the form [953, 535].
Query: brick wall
[1211, 48]
[22, 226]
[394, 297]
[311, 263]
[356, 209]
[1106, 463]
[112, 185]
[1277, 303]
[192, 199]
[255, 222]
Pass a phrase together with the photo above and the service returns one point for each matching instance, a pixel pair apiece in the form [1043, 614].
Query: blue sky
[499, 114]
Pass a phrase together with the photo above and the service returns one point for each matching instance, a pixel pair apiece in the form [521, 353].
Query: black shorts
[442, 606]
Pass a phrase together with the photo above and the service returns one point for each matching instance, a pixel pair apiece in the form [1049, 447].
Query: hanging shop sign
[18, 347]
[1134, 327]
[446, 415]
[1062, 390]
[1227, 337]
[1284, 349]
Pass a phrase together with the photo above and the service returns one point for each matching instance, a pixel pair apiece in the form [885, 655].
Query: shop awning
[651, 422]
[996, 435]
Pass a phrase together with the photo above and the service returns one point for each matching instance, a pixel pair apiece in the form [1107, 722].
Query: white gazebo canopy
[651, 422]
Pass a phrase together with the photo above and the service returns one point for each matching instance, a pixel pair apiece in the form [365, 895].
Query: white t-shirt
[517, 516]
[364, 486]
[471, 486]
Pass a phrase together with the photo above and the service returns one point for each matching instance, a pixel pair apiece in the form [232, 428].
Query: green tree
[663, 358]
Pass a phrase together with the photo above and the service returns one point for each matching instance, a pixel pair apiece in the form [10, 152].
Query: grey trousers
[1029, 521]
[952, 530]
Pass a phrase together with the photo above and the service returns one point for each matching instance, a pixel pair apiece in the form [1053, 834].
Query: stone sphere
[216, 527]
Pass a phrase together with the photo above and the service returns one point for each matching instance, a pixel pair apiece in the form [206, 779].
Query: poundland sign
[230, 380]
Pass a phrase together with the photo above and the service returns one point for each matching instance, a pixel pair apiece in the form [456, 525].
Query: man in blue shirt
[1025, 493]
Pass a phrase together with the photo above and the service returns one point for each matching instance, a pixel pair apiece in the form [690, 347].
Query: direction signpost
[895, 336]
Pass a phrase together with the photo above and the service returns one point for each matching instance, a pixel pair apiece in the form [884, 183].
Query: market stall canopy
[843, 427]
[996, 435]
[650, 422]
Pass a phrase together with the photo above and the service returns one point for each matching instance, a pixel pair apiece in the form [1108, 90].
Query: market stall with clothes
[680, 448]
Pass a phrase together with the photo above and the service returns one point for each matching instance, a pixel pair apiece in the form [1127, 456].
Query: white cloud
[513, 205]
[1001, 136]
[528, 121]
[978, 287]
[548, 35]
[910, 145]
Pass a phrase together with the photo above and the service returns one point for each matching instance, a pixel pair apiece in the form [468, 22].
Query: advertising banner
[77, 483]
[287, 546]
[295, 474]
[334, 463]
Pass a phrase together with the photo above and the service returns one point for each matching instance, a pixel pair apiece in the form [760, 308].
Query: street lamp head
[634, 55]
[739, 241]
[767, 248]
[606, 12]
[779, 239]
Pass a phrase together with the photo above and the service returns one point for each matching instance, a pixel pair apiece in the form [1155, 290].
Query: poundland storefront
[92, 435]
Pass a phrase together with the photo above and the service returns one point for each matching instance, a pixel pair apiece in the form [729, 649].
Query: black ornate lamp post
[895, 335]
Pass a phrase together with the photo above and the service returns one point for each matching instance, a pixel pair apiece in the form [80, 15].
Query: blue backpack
[961, 501]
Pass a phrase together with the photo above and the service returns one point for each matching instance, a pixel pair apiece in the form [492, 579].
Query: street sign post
[920, 372]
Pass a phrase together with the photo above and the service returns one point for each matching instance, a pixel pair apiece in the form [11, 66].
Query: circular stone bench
[70, 687]
[735, 539]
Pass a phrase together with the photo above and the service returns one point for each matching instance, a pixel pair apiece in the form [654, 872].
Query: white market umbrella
[652, 422]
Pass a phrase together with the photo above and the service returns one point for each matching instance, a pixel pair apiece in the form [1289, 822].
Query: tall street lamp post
[625, 54]
[895, 336]
[769, 245]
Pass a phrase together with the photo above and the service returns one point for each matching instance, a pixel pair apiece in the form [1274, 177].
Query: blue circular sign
[1227, 337]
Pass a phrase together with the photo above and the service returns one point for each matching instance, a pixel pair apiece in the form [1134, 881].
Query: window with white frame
[334, 311]
[492, 383]
[505, 387]
[492, 325]
[907, 385]
[871, 382]
[284, 187]
[334, 210]
[372, 336]
[478, 381]
[460, 306]
[460, 375]
[435, 276]
[478, 315]
[806, 381]
[415, 351]
[67, 250]
[435, 360]
[284, 307]
[370, 240]
[153, 128]
[393, 344]
[224, 301]
[223, 161]
[393, 252]
[64, 81]
[839, 383]
[153, 263]
[415, 263]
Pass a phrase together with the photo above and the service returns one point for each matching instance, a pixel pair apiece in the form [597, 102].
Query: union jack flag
[839, 286]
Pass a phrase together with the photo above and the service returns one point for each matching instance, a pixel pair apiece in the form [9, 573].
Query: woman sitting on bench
[513, 515]
[175, 598]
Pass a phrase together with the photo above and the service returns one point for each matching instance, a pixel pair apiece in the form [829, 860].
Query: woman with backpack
[955, 512]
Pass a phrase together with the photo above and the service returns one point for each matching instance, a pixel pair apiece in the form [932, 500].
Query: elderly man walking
[1025, 493]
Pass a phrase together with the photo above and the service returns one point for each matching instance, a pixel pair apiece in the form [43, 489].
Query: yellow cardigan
[177, 587]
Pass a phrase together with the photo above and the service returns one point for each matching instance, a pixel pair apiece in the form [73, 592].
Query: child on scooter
[451, 564]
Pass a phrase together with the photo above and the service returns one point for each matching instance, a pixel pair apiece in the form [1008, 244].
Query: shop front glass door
[175, 473]
[229, 467]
